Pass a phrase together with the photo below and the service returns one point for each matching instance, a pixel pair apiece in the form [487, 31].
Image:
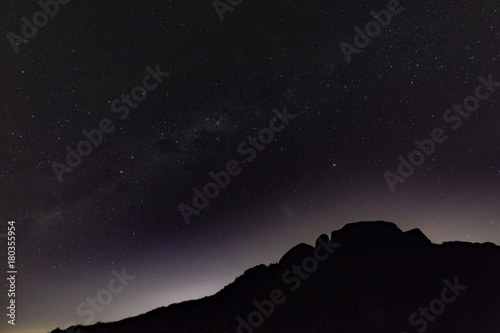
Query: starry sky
[222, 82]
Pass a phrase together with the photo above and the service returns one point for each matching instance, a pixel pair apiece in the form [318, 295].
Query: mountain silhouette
[367, 277]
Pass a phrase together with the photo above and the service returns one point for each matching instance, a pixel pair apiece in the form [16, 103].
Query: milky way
[355, 115]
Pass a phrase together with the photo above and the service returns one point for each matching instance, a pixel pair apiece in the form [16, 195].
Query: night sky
[340, 122]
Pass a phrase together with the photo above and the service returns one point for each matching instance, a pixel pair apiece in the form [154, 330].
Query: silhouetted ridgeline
[373, 278]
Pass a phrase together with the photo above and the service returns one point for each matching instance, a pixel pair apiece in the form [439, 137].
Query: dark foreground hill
[367, 277]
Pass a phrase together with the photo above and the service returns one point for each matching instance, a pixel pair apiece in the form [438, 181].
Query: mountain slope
[366, 277]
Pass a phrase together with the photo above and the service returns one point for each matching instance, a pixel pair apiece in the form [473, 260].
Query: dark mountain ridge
[367, 277]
